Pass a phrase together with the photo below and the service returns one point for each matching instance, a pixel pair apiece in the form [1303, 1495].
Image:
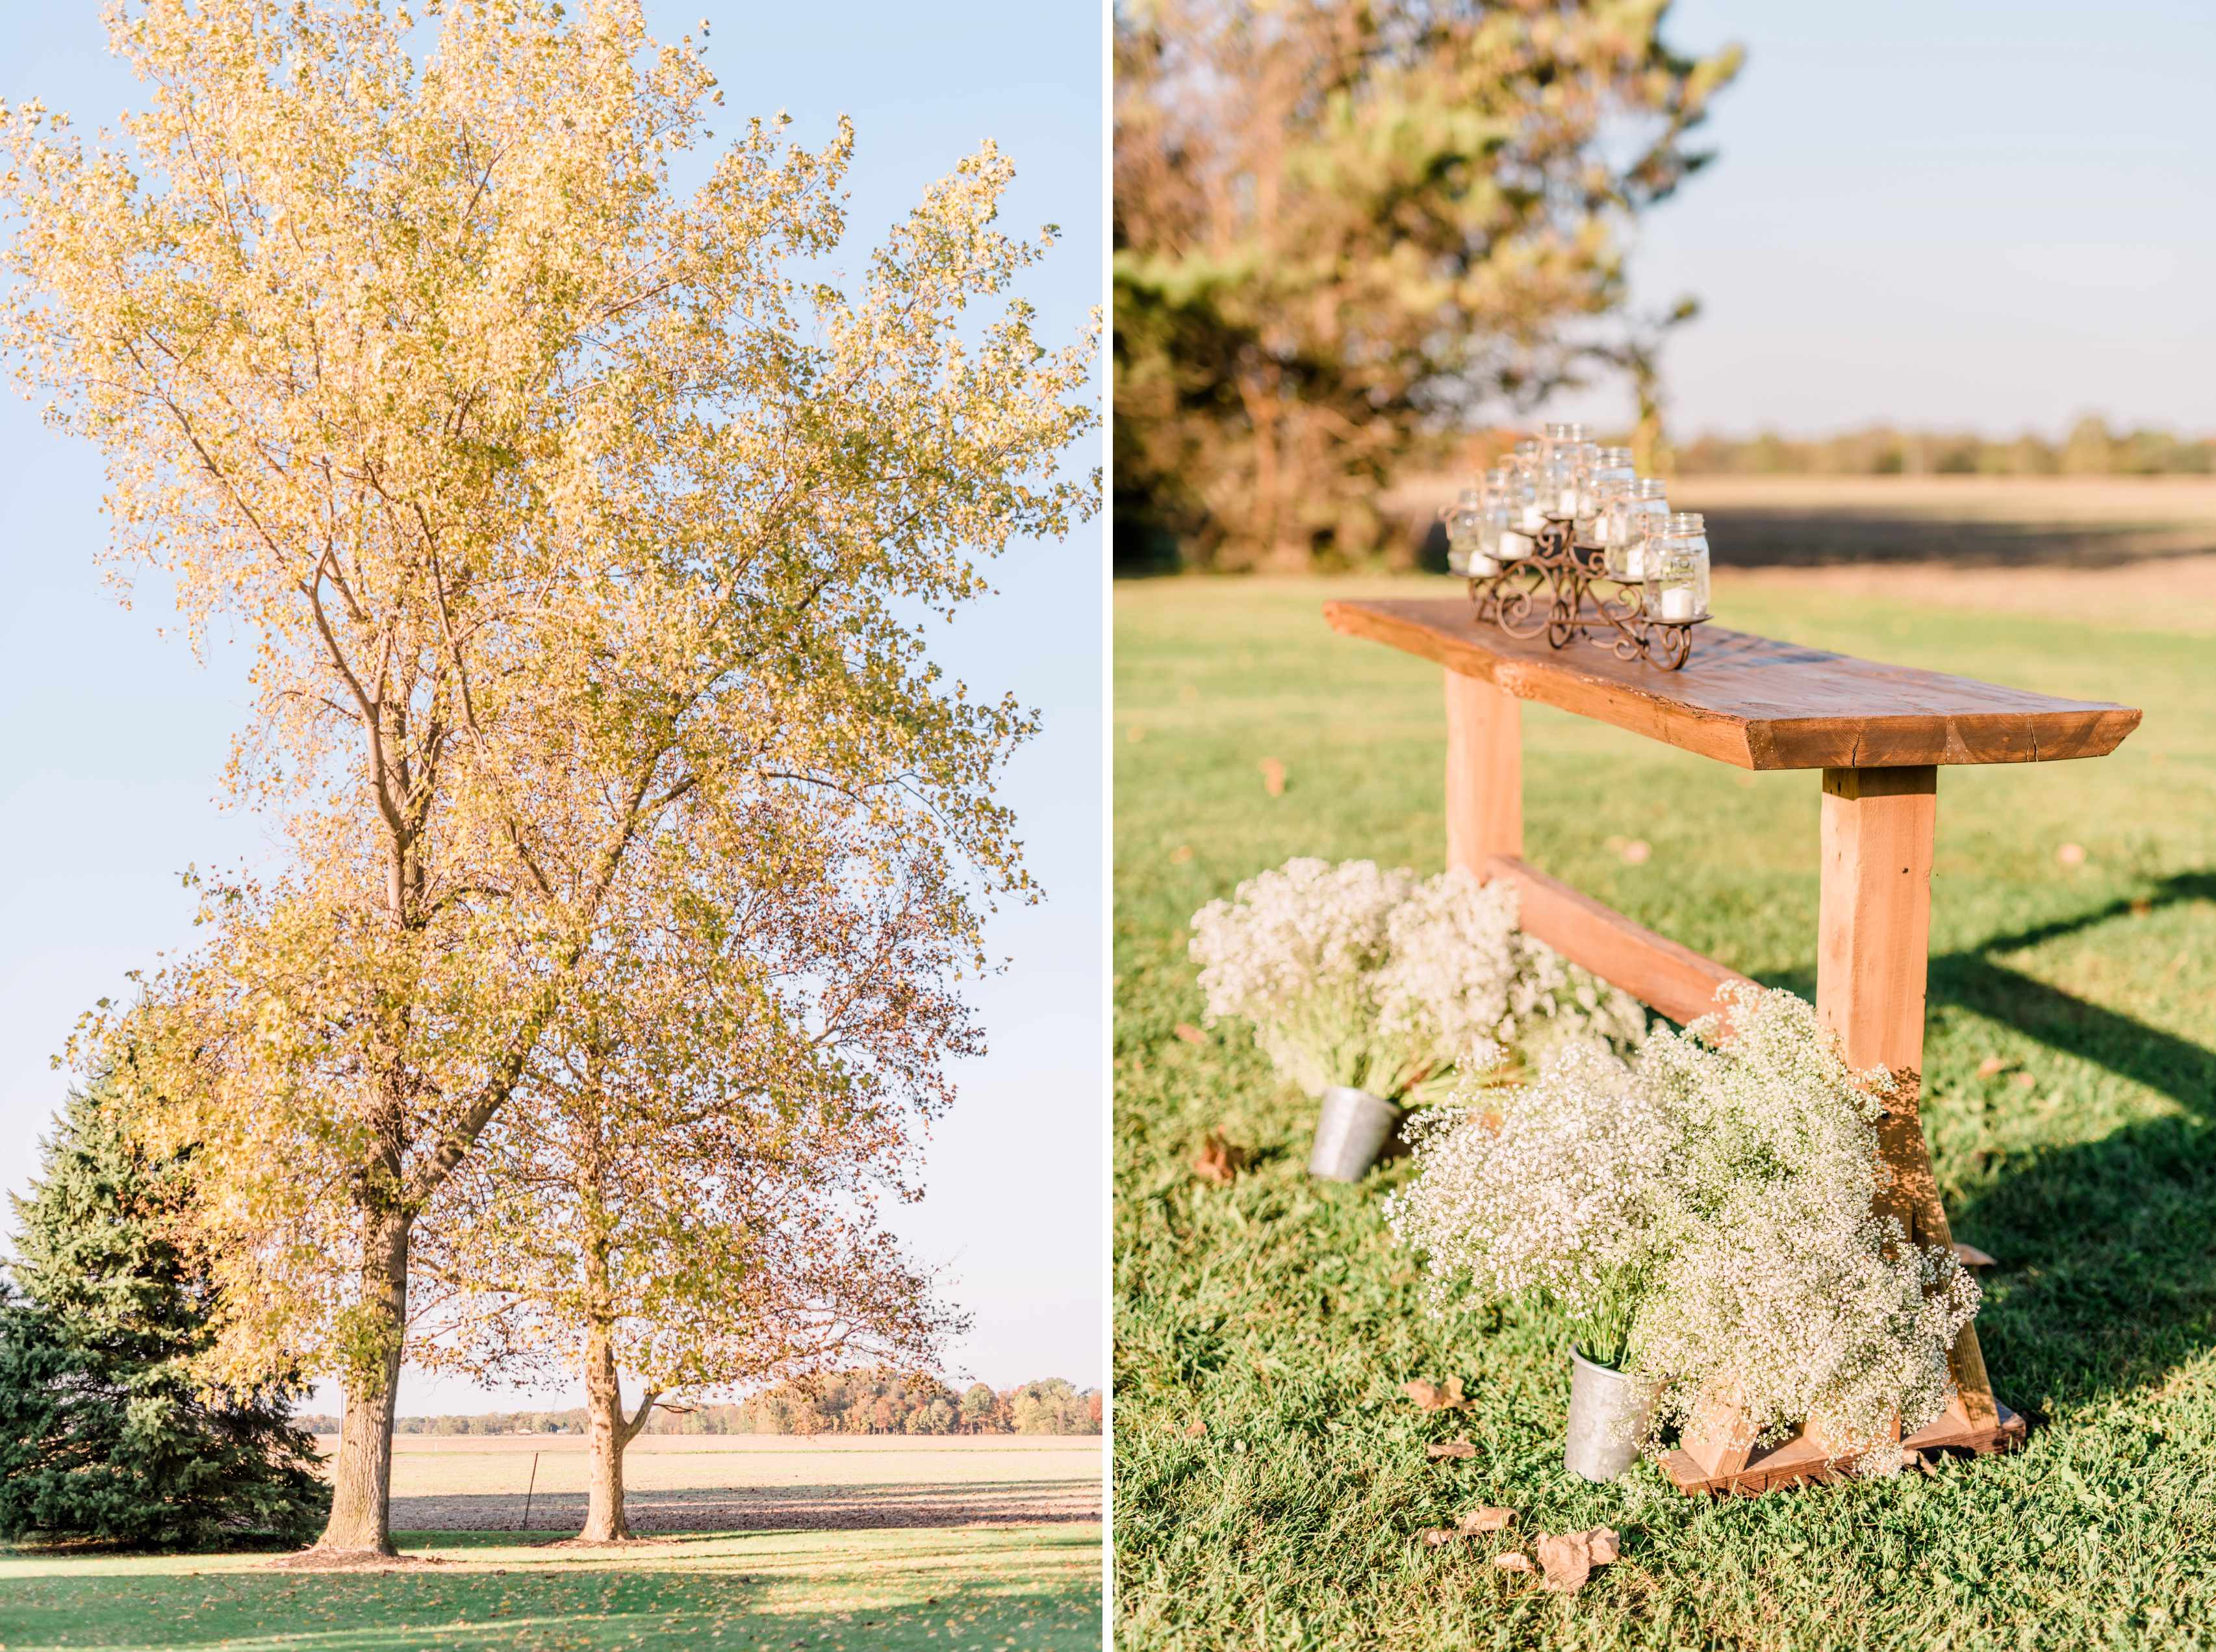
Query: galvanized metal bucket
[1610, 1412]
[1351, 1132]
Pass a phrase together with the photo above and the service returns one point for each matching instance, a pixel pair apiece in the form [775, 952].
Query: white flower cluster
[1708, 1210]
[1354, 975]
[1551, 1190]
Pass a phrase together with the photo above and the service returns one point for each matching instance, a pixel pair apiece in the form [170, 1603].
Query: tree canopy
[1344, 230]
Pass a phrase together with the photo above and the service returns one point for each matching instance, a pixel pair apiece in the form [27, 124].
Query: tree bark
[609, 1431]
[361, 1478]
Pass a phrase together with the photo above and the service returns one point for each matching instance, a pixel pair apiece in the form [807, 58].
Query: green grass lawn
[949, 1587]
[1278, 1313]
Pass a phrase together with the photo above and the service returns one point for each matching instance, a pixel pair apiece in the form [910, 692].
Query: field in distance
[754, 1482]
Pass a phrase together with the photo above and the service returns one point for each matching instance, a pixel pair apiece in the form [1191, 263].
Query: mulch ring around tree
[348, 1560]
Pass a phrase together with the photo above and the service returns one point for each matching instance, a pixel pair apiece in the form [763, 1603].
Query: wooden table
[1879, 733]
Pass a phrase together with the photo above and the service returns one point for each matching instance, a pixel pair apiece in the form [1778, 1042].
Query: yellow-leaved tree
[685, 1187]
[564, 506]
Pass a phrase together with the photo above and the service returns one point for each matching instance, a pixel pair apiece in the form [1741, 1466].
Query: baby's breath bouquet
[1382, 982]
[1703, 1219]
[1554, 1191]
[1781, 1284]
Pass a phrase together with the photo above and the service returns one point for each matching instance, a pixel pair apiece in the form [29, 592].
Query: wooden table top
[1753, 701]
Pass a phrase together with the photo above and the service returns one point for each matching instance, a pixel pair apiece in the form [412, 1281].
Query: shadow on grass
[908, 1597]
[2108, 1275]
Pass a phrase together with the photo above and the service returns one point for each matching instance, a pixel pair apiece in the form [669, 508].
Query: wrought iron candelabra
[1562, 591]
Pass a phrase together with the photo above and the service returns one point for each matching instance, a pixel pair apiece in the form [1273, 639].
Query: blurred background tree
[1347, 230]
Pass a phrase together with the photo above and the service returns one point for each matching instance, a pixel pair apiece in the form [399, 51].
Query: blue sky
[1946, 213]
[114, 737]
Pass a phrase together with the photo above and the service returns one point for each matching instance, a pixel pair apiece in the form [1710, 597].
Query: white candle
[1634, 564]
[1533, 519]
[1483, 567]
[1678, 602]
[1568, 504]
[1513, 545]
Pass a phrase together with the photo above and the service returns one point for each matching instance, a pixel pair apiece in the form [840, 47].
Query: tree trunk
[361, 1478]
[608, 1431]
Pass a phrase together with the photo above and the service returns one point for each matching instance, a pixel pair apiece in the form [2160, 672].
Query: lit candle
[1678, 602]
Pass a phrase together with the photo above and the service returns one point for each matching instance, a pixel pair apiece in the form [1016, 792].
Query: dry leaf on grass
[1180, 854]
[1439, 1449]
[1971, 1256]
[2071, 854]
[1485, 1519]
[1436, 1536]
[1636, 851]
[1190, 1033]
[1994, 1066]
[2141, 907]
[1568, 1560]
[1513, 1561]
[1196, 1429]
[2025, 1081]
[1273, 777]
[1436, 1396]
[1218, 1162]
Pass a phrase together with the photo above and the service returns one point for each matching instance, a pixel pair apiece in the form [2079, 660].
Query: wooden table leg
[1485, 773]
[1873, 950]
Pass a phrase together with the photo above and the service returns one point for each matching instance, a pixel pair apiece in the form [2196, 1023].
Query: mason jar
[1568, 454]
[1530, 462]
[1677, 569]
[1610, 466]
[1644, 510]
[1493, 518]
[1465, 526]
[1520, 515]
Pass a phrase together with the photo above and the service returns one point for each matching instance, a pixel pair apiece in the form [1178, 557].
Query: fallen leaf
[1436, 1396]
[2142, 907]
[1135, 734]
[1513, 1561]
[1180, 854]
[1190, 1033]
[1994, 1066]
[1218, 1161]
[1273, 777]
[1439, 1449]
[2071, 854]
[1436, 1536]
[1196, 1429]
[2025, 1081]
[1485, 1519]
[1971, 1256]
[1568, 1560]
[1635, 852]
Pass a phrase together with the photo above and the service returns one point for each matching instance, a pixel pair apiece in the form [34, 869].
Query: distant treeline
[860, 1404]
[2092, 448]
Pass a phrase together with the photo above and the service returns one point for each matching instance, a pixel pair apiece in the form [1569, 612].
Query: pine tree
[103, 1433]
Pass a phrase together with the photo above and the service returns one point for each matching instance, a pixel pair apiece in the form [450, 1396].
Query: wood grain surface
[1754, 701]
